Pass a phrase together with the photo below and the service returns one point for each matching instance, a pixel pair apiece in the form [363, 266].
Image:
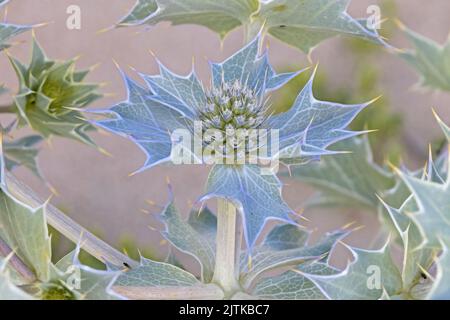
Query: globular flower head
[235, 100]
[232, 107]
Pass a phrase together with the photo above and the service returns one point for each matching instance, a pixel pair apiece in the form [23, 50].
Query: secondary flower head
[235, 100]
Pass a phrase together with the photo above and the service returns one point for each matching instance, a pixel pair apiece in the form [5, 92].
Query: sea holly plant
[235, 100]
[252, 245]
[430, 59]
[285, 246]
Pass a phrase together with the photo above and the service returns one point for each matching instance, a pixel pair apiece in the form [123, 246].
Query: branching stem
[69, 228]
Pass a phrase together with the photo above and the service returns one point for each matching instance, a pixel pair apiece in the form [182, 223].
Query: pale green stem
[69, 228]
[228, 243]
[202, 292]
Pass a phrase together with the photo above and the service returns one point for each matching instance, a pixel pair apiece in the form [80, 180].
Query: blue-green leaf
[370, 275]
[293, 284]
[430, 59]
[219, 16]
[156, 274]
[304, 24]
[23, 152]
[24, 229]
[264, 258]
[348, 180]
[258, 197]
[145, 121]
[7, 31]
[310, 126]
[90, 283]
[187, 239]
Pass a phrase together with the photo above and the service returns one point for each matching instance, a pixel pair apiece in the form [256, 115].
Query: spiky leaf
[430, 59]
[370, 275]
[302, 24]
[84, 282]
[265, 258]
[416, 256]
[346, 180]
[258, 197]
[219, 16]
[24, 229]
[22, 152]
[7, 31]
[187, 239]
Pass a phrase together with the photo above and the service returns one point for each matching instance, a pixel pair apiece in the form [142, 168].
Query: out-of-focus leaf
[7, 31]
[204, 222]
[431, 60]
[22, 152]
[348, 179]
[440, 289]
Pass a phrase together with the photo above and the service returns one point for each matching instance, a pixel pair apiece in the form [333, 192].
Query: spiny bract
[50, 94]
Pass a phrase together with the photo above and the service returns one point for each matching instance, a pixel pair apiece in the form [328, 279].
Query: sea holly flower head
[236, 100]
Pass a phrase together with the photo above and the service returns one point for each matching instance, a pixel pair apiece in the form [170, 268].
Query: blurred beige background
[96, 191]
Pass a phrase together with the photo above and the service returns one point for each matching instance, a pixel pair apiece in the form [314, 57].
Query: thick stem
[69, 228]
[226, 271]
[203, 292]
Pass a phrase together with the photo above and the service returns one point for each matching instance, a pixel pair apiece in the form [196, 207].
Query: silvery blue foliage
[237, 97]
